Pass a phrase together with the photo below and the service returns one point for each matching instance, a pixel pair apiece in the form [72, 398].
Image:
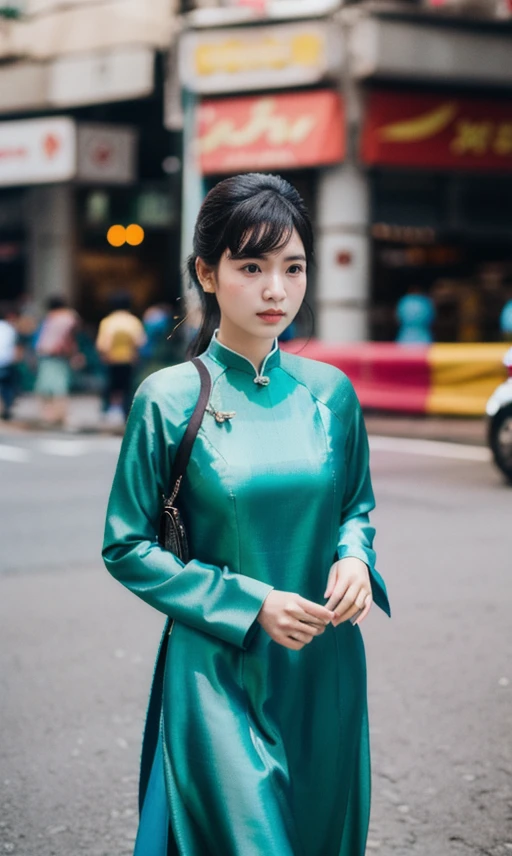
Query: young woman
[262, 748]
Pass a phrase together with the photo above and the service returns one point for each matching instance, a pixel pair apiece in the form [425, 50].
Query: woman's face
[248, 288]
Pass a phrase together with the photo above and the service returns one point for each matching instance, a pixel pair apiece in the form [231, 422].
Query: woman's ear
[205, 275]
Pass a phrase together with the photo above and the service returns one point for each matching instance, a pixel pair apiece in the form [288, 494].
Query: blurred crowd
[56, 354]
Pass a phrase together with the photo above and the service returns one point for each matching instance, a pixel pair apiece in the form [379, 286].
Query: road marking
[378, 443]
[14, 454]
[75, 448]
[430, 448]
[63, 448]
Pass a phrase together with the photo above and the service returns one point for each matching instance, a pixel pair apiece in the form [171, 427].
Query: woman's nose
[275, 287]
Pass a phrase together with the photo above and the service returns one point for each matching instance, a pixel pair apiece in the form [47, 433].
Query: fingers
[330, 582]
[360, 618]
[300, 636]
[353, 601]
[338, 592]
[302, 615]
[296, 612]
[314, 611]
[300, 630]
[305, 633]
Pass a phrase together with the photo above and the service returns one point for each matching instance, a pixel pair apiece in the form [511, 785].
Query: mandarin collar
[232, 359]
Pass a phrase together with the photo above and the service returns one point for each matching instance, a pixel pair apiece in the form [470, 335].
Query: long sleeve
[212, 599]
[356, 534]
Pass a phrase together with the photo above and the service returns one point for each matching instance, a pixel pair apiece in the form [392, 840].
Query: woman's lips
[270, 317]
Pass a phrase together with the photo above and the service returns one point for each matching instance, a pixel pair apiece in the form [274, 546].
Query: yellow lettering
[472, 137]
[266, 53]
[503, 140]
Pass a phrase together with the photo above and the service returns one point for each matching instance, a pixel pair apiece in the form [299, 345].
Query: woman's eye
[251, 268]
[295, 269]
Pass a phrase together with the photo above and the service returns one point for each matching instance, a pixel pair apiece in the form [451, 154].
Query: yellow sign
[270, 56]
[268, 52]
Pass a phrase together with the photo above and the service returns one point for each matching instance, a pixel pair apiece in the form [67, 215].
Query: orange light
[116, 236]
[134, 234]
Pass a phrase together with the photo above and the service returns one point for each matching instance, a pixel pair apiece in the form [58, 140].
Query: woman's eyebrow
[264, 256]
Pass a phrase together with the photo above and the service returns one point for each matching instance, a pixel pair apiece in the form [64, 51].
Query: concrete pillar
[51, 242]
[193, 191]
[343, 253]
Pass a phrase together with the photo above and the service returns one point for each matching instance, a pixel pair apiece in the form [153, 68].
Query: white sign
[105, 76]
[106, 155]
[239, 59]
[48, 151]
[37, 151]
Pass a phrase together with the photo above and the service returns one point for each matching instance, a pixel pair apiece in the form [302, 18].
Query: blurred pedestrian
[415, 313]
[257, 736]
[120, 337]
[156, 321]
[506, 321]
[8, 359]
[57, 350]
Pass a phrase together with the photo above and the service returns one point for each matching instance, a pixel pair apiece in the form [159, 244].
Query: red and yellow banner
[270, 132]
[455, 379]
[437, 131]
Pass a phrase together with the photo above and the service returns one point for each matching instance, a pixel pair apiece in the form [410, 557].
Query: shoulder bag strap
[184, 450]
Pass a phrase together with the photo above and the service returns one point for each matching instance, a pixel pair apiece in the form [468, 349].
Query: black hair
[56, 302]
[250, 216]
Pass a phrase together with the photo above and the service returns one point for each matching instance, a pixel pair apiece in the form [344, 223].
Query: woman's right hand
[291, 620]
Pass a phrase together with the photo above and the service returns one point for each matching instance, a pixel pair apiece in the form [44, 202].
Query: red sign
[270, 132]
[437, 131]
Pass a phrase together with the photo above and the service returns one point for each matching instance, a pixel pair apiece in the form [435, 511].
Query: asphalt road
[76, 653]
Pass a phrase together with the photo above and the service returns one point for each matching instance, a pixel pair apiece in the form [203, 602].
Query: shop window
[484, 203]
[408, 199]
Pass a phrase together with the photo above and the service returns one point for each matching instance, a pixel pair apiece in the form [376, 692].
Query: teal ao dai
[251, 749]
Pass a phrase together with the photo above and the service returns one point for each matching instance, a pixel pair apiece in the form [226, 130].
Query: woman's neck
[253, 349]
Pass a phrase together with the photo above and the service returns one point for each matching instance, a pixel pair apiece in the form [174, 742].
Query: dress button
[262, 380]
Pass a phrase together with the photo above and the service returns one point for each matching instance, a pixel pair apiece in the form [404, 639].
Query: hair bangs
[259, 226]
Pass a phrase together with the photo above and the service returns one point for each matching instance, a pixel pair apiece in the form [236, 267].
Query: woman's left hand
[349, 590]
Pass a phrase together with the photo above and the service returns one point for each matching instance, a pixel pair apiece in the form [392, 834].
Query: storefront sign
[37, 151]
[106, 154]
[261, 57]
[437, 131]
[271, 132]
[48, 151]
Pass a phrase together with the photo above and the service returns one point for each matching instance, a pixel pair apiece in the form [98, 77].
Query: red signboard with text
[437, 131]
[270, 132]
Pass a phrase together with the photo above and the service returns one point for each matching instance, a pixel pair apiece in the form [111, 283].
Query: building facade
[83, 147]
[394, 120]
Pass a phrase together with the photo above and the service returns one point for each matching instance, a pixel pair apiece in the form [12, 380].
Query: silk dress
[251, 749]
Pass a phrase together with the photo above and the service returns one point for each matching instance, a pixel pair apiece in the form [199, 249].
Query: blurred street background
[394, 121]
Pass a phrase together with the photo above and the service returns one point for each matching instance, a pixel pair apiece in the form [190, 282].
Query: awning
[271, 132]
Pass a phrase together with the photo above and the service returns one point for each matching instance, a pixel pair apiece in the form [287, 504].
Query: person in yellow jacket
[120, 337]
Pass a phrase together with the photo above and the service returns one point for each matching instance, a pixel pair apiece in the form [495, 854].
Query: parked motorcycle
[499, 413]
